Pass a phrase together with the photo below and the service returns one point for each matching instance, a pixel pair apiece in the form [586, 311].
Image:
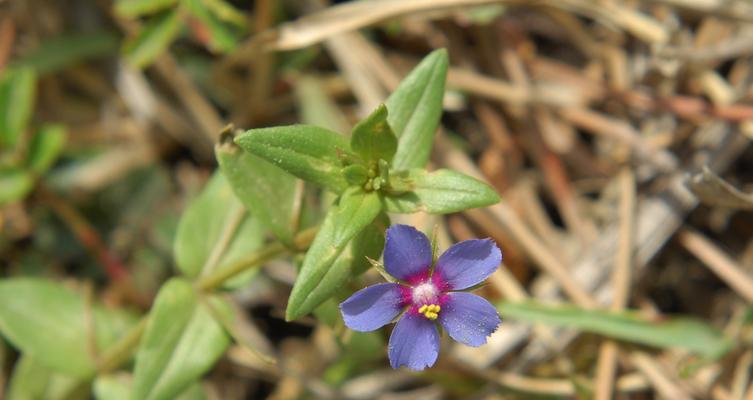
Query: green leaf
[226, 12]
[56, 53]
[324, 270]
[268, 192]
[113, 387]
[17, 90]
[137, 8]
[45, 147]
[356, 174]
[33, 381]
[440, 192]
[153, 39]
[373, 138]
[181, 343]
[415, 107]
[215, 231]
[15, 184]
[350, 263]
[686, 333]
[220, 38]
[119, 386]
[311, 153]
[48, 322]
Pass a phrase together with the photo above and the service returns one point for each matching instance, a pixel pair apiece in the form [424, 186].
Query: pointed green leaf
[181, 343]
[686, 333]
[215, 231]
[15, 184]
[439, 192]
[17, 90]
[324, 270]
[350, 263]
[268, 192]
[311, 153]
[153, 39]
[373, 138]
[33, 381]
[227, 12]
[119, 387]
[415, 108]
[45, 147]
[137, 8]
[49, 322]
[220, 38]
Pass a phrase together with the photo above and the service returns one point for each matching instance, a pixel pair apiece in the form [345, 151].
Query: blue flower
[426, 297]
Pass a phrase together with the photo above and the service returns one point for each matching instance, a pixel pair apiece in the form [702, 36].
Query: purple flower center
[425, 295]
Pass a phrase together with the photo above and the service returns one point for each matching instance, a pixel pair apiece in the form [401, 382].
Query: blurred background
[616, 133]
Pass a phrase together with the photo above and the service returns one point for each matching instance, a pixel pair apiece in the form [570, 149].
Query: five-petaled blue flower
[426, 296]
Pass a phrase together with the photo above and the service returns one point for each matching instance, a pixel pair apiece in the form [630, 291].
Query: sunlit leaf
[685, 333]
[15, 183]
[415, 108]
[33, 381]
[17, 89]
[439, 192]
[215, 231]
[45, 147]
[137, 8]
[373, 138]
[181, 343]
[48, 322]
[209, 29]
[153, 39]
[325, 268]
[311, 153]
[268, 192]
[119, 386]
[226, 12]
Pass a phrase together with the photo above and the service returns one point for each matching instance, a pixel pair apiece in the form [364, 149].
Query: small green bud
[355, 174]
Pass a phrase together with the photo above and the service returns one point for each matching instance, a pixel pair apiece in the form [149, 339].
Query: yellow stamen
[430, 311]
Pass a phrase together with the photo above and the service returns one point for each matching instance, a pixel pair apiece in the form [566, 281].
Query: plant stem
[121, 351]
[301, 241]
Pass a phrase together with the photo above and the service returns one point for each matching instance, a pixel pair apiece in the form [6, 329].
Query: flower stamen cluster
[430, 311]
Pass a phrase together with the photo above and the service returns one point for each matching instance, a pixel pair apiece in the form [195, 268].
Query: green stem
[211, 282]
[122, 350]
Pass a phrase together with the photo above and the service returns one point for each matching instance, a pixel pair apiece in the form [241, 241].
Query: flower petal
[372, 308]
[407, 252]
[414, 343]
[468, 263]
[468, 318]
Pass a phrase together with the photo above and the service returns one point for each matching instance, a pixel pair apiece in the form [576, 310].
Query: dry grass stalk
[721, 264]
[621, 277]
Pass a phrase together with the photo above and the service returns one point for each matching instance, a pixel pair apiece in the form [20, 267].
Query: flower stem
[119, 353]
[301, 241]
